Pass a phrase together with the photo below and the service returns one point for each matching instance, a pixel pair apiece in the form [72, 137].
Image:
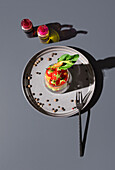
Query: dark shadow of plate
[98, 79]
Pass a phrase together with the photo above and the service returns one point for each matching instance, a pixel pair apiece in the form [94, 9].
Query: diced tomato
[58, 81]
[55, 72]
[50, 82]
[64, 71]
[54, 75]
[49, 71]
[56, 68]
[62, 82]
[59, 72]
[65, 78]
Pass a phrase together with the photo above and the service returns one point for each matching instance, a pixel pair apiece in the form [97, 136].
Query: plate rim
[40, 108]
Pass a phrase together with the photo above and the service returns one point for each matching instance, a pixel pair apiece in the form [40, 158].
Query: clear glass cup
[58, 88]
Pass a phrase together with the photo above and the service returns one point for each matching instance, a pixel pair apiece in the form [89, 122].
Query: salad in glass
[57, 76]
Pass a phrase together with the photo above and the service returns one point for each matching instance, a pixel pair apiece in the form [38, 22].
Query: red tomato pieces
[57, 77]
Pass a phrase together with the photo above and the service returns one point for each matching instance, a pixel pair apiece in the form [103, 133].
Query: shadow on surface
[98, 66]
[85, 132]
[60, 32]
[107, 63]
[82, 77]
[98, 79]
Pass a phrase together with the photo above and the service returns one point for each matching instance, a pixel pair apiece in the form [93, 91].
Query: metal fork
[79, 104]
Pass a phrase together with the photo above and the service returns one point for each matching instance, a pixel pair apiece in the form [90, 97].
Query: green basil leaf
[75, 57]
[63, 57]
[68, 60]
[65, 66]
[68, 57]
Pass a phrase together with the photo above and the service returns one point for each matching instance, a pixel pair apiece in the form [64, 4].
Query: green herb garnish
[68, 60]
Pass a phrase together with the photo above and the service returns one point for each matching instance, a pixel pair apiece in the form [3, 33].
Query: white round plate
[44, 101]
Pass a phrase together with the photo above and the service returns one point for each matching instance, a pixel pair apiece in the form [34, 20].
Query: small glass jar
[58, 88]
[27, 27]
[43, 33]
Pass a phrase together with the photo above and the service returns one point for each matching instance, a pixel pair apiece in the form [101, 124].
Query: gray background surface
[30, 140]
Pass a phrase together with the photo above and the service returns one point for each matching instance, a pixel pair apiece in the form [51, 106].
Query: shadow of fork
[79, 105]
[85, 132]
